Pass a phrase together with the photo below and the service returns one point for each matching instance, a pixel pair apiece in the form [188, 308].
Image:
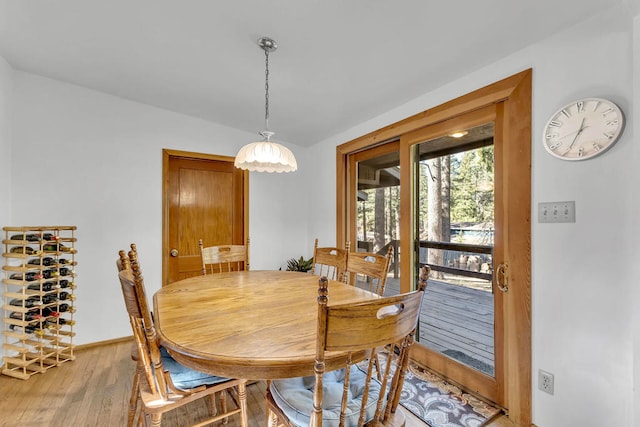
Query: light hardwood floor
[94, 391]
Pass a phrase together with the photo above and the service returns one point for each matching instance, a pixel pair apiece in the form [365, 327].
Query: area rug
[440, 404]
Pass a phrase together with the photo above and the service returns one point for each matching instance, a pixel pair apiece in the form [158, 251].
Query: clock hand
[571, 133]
[575, 138]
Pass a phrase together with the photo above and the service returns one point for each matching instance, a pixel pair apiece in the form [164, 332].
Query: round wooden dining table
[247, 324]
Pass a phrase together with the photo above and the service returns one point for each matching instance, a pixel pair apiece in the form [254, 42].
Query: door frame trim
[167, 154]
[512, 97]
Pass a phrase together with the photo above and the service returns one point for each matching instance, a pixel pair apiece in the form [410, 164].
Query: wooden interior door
[204, 197]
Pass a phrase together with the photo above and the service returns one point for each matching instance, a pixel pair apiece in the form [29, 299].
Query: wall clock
[583, 129]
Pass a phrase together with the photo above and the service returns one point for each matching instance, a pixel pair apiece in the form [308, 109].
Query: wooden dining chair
[330, 262]
[164, 384]
[221, 258]
[123, 263]
[368, 270]
[352, 395]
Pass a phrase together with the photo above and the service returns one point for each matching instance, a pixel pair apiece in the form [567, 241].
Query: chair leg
[156, 420]
[376, 364]
[213, 410]
[242, 400]
[272, 418]
[133, 400]
[223, 406]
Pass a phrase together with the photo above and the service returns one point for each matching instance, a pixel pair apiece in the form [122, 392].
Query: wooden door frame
[167, 154]
[512, 100]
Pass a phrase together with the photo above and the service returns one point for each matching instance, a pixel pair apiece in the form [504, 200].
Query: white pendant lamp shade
[266, 155]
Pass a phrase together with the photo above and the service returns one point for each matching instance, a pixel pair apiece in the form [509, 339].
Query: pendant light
[266, 155]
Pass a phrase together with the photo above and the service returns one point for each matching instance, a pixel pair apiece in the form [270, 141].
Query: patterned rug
[441, 404]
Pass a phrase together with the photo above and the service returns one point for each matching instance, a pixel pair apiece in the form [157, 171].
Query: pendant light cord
[266, 90]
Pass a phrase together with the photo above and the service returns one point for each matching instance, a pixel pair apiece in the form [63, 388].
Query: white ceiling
[339, 62]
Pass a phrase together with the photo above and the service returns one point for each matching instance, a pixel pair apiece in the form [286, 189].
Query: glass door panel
[454, 236]
[375, 205]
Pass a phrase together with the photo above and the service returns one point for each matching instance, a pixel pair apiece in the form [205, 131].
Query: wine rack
[39, 283]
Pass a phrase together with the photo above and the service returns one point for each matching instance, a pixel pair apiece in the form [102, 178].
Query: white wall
[6, 90]
[635, 210]
[6, 99]
[95, 161]
[582, 281]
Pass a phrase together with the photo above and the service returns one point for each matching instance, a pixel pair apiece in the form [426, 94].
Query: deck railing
[465, 249]
[462, 249]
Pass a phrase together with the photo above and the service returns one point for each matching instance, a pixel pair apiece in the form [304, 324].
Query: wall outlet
[557, 211]
[545, 381]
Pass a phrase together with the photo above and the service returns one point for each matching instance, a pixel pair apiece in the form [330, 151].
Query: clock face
[583, 129]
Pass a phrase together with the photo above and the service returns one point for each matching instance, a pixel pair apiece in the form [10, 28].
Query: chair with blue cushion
[165, 384]
[352, 395]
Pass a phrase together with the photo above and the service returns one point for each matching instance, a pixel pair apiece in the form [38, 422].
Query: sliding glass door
[460, 204]
[454, 233]
[455, 227]
[448, 179]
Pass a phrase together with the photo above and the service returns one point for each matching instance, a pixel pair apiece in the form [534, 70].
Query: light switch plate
[557, 211]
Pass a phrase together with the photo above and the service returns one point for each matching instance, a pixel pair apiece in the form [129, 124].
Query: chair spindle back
[222, 258]
[330, 262]
[368, 270]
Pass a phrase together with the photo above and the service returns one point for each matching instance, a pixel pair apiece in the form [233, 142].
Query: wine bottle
[50, 247]
[57, 272]
[42, 261]
[28, 316]
[48, 312]
[29, 302]
[64, 261]
[64, 283]
[44, 287]
[48, 274]
[61, 321]
[66, 295]
[57, 247]
[64, 271]
[27, 237]
[28, 276]
[31, 329]
[66, 307]
[34, 314]
[49, 236]
[28, 250]
[49, 298]
[64, 248]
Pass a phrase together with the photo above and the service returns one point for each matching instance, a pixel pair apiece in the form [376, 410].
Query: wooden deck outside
[457, 321]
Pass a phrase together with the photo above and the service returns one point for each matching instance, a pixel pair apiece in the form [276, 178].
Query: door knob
[502, 277]
[174, 252]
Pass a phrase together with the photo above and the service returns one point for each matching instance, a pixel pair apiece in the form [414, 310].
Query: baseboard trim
[103, 343]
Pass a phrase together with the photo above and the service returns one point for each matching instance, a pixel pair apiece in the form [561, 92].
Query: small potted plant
[301, 264]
